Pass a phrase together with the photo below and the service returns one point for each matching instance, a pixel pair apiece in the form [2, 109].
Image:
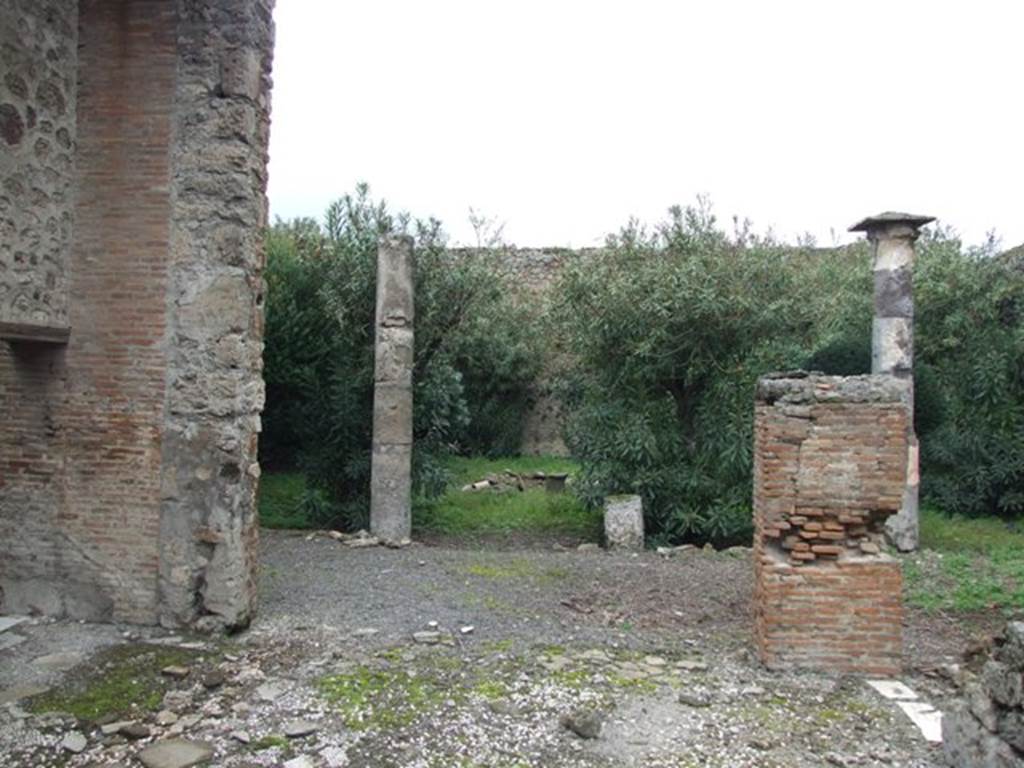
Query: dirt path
[440, 656]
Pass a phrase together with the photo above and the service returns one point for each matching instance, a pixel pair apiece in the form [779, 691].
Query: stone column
[391, 472]
[892, 236]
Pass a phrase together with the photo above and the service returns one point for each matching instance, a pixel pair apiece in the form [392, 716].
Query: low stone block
[624, 522]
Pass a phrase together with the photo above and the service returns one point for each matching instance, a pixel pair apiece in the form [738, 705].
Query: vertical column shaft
[892, 236]
[391, 470]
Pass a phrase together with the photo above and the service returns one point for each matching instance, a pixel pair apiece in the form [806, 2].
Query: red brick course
[829, 468]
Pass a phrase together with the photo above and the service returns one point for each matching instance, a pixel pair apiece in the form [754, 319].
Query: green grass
[285, 497]
[470, 469]
[490, 514]
[966, 565]
[280, 501]
[120, 682]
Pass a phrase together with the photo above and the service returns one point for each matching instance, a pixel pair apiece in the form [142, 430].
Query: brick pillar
[391, 472]
[892, 237]
[829, 461]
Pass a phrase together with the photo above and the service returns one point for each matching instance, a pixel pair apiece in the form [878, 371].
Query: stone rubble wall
[987, 729]
[38, 61]
[829, 469]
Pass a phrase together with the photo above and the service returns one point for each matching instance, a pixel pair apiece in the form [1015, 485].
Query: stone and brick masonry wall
[128, 456]
[829, 468]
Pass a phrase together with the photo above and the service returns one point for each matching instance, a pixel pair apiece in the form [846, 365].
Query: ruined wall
[127, 487]
[38, 40]
[829, 469]
[208, 524]
[986, 729]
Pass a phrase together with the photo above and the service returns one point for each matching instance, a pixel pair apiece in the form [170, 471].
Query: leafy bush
[671, 328]
[473, 346]
[970, 334]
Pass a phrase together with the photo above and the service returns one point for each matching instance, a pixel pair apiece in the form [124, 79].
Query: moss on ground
[370, 698]
[117, 682]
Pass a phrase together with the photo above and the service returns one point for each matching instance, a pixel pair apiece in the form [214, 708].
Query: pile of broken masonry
[987, 730]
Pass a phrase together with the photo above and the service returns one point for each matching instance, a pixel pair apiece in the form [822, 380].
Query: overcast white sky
[562, 118]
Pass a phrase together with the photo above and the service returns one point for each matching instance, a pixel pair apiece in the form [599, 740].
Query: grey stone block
[624, 522]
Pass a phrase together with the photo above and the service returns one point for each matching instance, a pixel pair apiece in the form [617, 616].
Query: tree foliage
[473, 349]
[671, 327]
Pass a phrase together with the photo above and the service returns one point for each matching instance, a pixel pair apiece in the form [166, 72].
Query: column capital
[892, 224]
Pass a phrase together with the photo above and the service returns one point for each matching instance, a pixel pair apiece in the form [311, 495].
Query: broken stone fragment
[74, 742]
[176, 671]
[695, 699]
[213, 679]
[176, 753]
[296, 729]
[584, 723]
[135, 731]
[166, 717]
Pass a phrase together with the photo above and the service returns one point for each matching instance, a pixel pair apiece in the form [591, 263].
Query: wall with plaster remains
[128, 476]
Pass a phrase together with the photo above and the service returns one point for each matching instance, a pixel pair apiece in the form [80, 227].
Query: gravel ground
[524, 654]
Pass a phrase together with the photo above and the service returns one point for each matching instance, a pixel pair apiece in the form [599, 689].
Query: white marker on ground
[922, 714]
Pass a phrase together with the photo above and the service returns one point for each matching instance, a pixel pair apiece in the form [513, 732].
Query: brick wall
[829, 469]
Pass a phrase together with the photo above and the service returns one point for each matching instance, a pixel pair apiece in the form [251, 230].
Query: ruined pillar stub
[391, 470]
[829, 470]
[892, 236]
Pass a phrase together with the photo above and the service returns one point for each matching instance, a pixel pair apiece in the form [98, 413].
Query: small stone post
[624, 522]
[391, 469]
[892, 236]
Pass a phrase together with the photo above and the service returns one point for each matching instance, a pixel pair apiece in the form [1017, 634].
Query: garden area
[651, 346]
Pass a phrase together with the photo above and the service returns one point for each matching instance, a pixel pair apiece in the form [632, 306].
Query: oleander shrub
[474, 352]
[671, 326]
